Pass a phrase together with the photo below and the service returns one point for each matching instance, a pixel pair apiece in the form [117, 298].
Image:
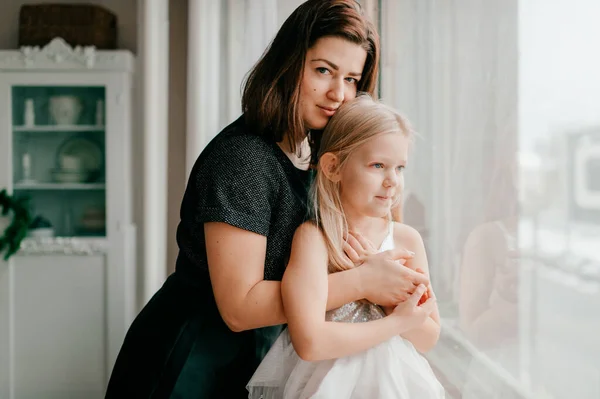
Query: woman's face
[332, 69]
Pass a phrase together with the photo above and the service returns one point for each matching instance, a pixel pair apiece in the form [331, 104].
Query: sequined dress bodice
[355, 312]
[362, 311]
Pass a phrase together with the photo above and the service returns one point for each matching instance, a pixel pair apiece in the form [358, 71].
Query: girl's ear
[329, 164]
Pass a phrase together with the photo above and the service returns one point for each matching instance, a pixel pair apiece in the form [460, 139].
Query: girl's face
[372, 176]
[332, 69]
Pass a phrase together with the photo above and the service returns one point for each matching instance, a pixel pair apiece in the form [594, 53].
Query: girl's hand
[410, 314]
[428, 294]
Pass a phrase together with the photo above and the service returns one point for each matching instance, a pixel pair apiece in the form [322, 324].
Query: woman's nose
[336, 91]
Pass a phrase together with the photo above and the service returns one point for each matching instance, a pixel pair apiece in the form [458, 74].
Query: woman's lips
[328, 111]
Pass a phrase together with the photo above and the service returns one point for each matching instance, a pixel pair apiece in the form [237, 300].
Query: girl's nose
[390, 180]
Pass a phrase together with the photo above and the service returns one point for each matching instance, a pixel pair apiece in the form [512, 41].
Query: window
[504, 185]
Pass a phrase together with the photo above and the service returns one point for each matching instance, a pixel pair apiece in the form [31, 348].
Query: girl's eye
[322, 70]
[378, 165]
[400, 168]
[351, 80]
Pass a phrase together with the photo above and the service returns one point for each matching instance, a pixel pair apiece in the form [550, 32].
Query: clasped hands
[389, 277]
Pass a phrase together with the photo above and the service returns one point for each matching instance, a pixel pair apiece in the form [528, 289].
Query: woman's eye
[351, 80]
[378, 165]
[400, 168]
[322, 70]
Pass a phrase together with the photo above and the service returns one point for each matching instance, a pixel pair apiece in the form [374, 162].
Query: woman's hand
[385, 279]
[357, 248]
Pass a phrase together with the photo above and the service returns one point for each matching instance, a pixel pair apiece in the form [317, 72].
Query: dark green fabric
[180, 349]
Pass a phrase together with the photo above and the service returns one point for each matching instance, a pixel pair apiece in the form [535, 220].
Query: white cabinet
[67, 299]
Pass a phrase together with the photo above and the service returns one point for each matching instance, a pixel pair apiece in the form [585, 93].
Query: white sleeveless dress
[390, 370]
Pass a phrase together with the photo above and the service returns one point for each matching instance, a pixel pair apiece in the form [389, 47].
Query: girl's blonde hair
[354, 124]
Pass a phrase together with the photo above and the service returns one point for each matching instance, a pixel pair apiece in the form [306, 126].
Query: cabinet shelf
[59, 128]
[59, 186]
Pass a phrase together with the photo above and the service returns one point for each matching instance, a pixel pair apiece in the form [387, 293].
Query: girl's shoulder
[406, 236]
[309, 243]
[310, 230]
[310, 235]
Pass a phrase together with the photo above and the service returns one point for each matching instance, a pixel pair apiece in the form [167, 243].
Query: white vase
[29, 116]
[65, 110]
[99, 112]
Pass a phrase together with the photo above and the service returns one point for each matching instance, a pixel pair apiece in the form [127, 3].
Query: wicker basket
[77, 24]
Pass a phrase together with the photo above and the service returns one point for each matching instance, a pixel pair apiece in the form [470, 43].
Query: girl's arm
[305, 288]
[425, 336]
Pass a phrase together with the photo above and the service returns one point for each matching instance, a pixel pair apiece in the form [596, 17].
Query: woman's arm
[245, 300]
[305, 291]
[425, 336]
[236, 260]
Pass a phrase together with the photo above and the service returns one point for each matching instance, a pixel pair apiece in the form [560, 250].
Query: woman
[206, 330]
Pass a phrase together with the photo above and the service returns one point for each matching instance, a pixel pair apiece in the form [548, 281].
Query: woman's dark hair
[270, 100]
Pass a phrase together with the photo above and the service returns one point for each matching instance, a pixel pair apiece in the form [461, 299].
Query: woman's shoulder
[407, 235]
[237, 139]
[236, 153]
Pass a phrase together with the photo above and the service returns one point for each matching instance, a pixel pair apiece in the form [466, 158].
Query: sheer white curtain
[225, 39]
[251, 25]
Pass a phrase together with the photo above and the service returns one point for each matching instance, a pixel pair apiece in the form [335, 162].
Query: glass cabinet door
[59, 147]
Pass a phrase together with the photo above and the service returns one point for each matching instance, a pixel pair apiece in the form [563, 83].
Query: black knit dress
[179, 346]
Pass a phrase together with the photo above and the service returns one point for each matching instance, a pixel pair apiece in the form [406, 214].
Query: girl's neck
[374, 229]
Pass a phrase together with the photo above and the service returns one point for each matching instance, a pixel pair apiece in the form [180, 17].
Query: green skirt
[179, 347]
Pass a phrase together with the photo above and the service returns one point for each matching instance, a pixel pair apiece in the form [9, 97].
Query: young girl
[359, 350]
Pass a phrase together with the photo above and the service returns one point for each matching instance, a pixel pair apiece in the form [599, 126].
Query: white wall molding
[154, 38]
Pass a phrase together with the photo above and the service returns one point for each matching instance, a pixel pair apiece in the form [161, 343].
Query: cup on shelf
[65, 110]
